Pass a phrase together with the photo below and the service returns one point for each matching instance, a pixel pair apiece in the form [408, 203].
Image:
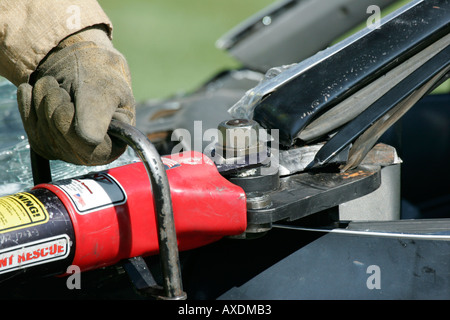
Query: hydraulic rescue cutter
[305, 156]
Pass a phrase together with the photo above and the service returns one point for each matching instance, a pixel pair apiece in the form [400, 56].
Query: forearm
[29, 29]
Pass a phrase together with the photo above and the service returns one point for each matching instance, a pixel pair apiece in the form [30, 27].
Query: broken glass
[15, 164]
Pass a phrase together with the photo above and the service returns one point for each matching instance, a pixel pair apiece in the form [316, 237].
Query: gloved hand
[72, 97]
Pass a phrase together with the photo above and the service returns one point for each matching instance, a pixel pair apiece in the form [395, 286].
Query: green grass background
[170, 44]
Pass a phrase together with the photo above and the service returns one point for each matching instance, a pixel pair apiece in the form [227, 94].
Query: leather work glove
[75, 92]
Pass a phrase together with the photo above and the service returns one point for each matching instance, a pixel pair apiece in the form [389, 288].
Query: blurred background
[170, 45]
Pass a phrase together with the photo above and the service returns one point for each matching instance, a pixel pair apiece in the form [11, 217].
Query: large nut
[239, 134]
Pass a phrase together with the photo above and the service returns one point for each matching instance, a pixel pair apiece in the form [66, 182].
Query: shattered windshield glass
[15, 164]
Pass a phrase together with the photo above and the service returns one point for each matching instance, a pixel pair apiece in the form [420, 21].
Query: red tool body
[111, 215]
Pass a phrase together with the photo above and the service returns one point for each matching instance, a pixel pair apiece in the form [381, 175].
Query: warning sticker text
[21, 210]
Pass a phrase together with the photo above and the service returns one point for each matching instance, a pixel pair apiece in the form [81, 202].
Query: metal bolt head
[238, 134]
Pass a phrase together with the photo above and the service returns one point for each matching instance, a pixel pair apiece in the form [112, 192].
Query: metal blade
[413, 87]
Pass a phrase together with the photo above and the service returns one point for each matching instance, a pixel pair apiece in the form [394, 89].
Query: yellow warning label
[21, 210]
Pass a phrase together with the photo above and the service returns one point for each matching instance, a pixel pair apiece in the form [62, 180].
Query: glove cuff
[97, 34]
